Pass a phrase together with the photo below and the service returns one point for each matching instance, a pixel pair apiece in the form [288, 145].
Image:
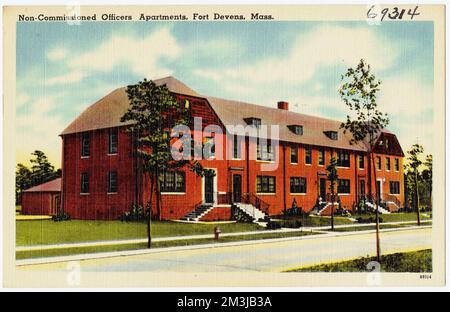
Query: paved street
[270, 256]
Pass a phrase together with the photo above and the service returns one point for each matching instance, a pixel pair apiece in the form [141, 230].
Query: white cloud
[22, 99]
[325, 46]
[141, 55]
[38, 129]
[409, 104]
[57, 54]
[405, 96]
[71, 77]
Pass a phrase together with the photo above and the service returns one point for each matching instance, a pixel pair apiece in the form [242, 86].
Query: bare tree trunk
[417, 196]
[149, 216]
[158, 196]
[332, 211]
[377, 226]
[369, 178]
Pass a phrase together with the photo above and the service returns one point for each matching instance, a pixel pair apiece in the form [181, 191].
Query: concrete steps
[196, 214]
[251, 211]
[380, 209]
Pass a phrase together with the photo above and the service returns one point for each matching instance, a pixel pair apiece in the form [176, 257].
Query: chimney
[283, 105]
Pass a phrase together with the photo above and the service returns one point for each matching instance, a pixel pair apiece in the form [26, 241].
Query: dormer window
[296, 129]
[332, 134]
[252, 121]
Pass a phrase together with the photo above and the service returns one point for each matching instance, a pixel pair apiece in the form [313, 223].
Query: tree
[41, 171]
[359, 91]
[427, 177]
[23, 180]
[153, 111]
[414, 162]
[332, 176]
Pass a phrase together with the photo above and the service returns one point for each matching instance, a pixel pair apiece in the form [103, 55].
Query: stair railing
[252, 199]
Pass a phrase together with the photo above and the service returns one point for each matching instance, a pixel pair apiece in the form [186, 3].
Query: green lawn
[395, 217]
[44, 232]
[418, 261]
[372, 227]
[316, 220]
[94, 249]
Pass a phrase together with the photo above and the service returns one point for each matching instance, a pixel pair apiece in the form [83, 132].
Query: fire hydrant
[217, 231]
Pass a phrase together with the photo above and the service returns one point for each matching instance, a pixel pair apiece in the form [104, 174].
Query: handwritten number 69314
[391, 13]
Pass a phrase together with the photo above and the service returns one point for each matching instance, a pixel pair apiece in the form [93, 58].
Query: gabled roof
[50, 186]
[106, 113]
[234, 113]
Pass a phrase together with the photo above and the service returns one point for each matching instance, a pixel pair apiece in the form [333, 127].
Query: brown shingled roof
[107, 112]
[234, 112]
[50, 186]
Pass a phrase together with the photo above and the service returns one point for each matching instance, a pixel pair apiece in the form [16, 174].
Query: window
[321, 157]
[388, 163]
[112, 182]
[308, 155]
[343, 158]
[361, 161]
[84, 183]
[236, 147]
[343, 186]
[296, 129]
[264, 151]
[378, 163]
[394, 187]
[396, 164]
[298, 185]
[113, 141]
[173, 182]
[332, 134]
[294, 154]
[85, 145]
[265, 184]
[255, 122]
[209, 147]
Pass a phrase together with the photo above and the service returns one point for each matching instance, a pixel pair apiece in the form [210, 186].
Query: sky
[62, 69]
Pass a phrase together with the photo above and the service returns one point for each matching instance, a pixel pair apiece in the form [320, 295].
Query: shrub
[240, 216]
[342, 212]
[295, 211]
[272, 225]
[62, 216]
[265, 219]
[294, 224]
[136, 213]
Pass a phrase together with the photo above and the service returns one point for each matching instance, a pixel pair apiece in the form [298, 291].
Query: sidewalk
[318, 229]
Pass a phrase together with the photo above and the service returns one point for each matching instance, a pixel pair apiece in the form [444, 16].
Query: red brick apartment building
[101, 178]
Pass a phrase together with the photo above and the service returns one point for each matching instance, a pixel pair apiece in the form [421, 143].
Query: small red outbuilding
[43, 199]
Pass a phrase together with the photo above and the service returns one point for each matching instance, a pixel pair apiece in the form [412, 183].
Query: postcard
[224, 146]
